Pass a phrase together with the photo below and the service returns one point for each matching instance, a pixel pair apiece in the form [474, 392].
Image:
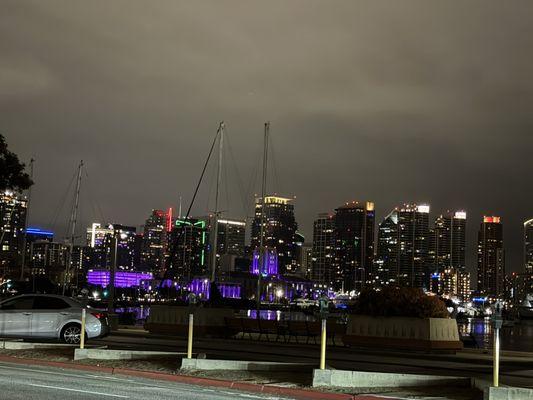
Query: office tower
[354, 243]
[138, 249]
[81, 259]
[279, 230]
[386, 265]
[491, 257]
[125, 236]
[306, 260]
[299, 241]
[13, 208]
[447, 248]
[101, 241]
[188, 244]
[48, 259]
[463, 285]
[323, 261]
[35, 235]
[458, 241]
[155, 241]
[231, 238]
[447, 242]
[413, 243]
[528, 246]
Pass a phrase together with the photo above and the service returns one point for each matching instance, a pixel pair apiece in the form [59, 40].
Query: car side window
[49, 303]
[23, 303]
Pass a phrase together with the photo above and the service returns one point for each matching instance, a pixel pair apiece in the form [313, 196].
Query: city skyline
[397, 111]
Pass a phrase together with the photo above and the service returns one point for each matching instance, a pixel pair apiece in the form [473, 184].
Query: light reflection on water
[518, 337]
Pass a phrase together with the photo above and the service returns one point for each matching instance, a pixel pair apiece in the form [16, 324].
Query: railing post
[496, 358]
[82, 333]
[189, 342]
[323, 345]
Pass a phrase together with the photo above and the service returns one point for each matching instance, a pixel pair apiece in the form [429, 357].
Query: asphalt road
[43, 383]
[515, 371]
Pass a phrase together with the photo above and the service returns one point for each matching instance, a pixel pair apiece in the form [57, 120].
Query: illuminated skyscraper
[188, 244]
[100, 240]
[279, 231]
[413, 245]
[386, 267]
[155, 241]
[13, 208]
[491, 257]
[323, 253]
[354, 243]
[447, 248]
[528, 246]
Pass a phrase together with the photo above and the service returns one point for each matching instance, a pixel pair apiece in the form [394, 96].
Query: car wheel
[71, 334]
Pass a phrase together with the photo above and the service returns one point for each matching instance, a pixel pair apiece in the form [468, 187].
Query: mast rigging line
[58, 210]
[173, 247]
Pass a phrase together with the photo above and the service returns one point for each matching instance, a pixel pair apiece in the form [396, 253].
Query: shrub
[399, 302]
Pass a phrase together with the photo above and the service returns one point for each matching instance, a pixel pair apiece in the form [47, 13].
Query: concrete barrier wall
[175, 320]
[356, 379]
[423, 333]
[507, 393]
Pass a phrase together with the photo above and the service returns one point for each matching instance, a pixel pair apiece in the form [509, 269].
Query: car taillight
[98, 315]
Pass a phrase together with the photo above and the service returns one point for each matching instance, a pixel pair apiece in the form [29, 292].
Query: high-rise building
[155, 241]
[35, 235]
[279, 231]
[323, 261]
[447, 242]
[231, 238]
[447, 248]
[386, 266]
[413, 245]
[306, 260]
[48, 259]
[13, 209]
[354, 243]
[100, 240]
[528, 246]
[188, 250]
[125, 236]
[491, 257]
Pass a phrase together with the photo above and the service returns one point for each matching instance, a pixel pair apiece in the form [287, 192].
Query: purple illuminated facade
[270, 263]
[123, 279]
[200, 287]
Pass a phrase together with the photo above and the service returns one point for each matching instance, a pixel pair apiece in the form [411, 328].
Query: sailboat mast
[262, 228]
[25, 237]
[216, 213]
[73, 221]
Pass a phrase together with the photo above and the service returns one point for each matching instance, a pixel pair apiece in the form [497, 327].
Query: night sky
[392, 102]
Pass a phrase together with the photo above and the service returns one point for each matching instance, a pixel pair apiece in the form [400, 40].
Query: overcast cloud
[393, 101]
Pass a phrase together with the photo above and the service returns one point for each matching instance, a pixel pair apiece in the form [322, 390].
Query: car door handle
[64, 313]
[26, 313]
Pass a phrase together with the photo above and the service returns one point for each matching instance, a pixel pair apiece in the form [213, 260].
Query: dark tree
[12, 175]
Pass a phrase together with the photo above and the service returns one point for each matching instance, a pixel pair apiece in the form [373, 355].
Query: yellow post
[496, 358]
[189, 343]
[323, 345]
[82, 333]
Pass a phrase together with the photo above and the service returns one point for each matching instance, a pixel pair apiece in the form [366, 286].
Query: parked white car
[46, 316]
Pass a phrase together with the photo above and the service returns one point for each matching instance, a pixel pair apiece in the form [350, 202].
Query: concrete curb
[299, 394]
[106, 354]
[237, 365]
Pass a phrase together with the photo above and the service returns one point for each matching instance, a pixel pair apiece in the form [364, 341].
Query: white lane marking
[79, 391]
[48, 372]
